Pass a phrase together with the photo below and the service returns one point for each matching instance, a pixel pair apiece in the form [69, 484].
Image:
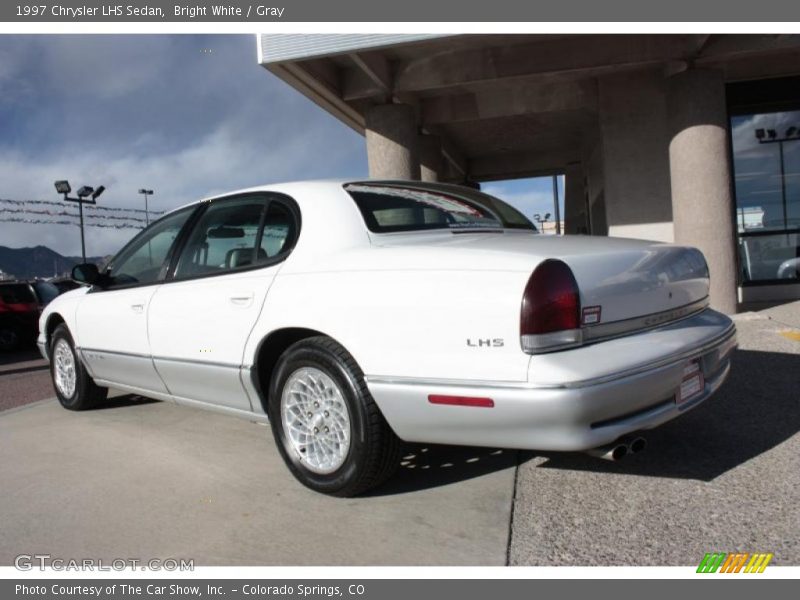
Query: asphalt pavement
[146, 479]
[725, 477]
[24, 378]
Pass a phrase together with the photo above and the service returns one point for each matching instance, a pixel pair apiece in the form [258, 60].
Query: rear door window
[237, 233]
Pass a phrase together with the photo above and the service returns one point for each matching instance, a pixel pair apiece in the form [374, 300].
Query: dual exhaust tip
[618, 450]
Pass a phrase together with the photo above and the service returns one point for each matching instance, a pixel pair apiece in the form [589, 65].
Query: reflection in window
[766, 157]
[143, 259]
[224, 239]
[278, 232]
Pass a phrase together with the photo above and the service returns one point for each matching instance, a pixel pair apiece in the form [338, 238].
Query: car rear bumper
[627, 385]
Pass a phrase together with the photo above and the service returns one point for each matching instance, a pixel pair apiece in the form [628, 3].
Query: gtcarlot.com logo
[738, 562]
[29, 562]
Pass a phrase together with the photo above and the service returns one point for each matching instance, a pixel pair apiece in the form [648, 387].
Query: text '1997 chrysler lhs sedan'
[351, 316]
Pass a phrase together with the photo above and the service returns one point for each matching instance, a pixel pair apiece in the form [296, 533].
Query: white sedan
[351, 316]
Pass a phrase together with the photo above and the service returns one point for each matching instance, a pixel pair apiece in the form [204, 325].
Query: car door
[112, 319]
[200, 320]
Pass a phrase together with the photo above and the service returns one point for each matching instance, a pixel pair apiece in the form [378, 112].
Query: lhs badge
[590, 315]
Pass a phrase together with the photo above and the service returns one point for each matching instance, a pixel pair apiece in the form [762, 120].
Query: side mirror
[86, 273]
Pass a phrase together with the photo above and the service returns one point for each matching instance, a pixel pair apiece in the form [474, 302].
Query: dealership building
[687, 138]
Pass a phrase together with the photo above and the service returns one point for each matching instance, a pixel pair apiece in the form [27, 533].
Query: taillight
[551, 307]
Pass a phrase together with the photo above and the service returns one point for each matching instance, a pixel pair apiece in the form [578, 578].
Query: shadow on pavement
[20, 356]
[428, 466]
[756, 409]
[423, 466]
[124, 400]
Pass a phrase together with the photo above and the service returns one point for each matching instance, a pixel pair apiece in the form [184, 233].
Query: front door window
[143, 260]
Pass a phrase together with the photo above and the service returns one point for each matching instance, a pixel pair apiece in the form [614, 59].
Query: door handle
[137, 308]
[243, 300]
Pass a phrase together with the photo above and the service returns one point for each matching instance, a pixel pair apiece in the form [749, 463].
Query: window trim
[166, 275]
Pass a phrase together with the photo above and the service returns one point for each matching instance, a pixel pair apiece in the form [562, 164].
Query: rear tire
[75, 389]
[328, 429]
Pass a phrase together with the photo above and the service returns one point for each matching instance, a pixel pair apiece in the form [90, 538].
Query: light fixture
[98, 191]
[771, 133]
[760, 134]
[85, 191]
[63, 187]
[791, 131]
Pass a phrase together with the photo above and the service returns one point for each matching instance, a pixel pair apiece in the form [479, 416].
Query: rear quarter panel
[420, 324]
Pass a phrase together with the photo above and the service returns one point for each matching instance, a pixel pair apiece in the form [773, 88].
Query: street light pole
[770, 137]
[83, 240]
[146, 193]
[63, 187]
[555, 204]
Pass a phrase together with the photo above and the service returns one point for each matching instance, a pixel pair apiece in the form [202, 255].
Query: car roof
[291, 188]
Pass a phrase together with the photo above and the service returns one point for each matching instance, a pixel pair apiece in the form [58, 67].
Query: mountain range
[39, 262]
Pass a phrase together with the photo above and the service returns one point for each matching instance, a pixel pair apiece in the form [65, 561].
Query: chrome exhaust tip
[613, 452]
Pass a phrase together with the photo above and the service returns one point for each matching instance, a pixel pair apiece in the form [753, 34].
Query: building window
[766, 162]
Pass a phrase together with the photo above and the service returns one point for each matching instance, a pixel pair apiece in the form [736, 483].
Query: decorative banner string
[76, 224]
[66, 213]
[89, 207]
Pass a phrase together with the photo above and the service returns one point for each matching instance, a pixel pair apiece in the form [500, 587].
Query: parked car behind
[65, 285]
[19, 315]
[45, 292]
[351, 316]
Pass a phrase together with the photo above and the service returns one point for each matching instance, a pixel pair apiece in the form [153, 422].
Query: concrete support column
[431, 160]
[633, 125]
[702, 202]
[575, 220]
[392, 142]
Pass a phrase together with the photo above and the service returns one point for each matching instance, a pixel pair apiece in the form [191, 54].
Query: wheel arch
[53, 320]
[270, 349]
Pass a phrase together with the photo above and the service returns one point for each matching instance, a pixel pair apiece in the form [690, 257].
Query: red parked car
[19, 315]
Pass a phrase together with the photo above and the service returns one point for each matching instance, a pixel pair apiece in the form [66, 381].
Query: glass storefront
[766, 162]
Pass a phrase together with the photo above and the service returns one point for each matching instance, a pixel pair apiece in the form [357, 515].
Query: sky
[187, 116]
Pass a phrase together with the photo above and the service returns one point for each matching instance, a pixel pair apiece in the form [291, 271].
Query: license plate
[692, 384]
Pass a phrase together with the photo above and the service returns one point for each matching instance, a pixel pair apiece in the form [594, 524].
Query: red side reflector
[461, 401]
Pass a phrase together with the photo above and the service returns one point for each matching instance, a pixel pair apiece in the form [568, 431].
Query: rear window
[389, 209]
[17, 293]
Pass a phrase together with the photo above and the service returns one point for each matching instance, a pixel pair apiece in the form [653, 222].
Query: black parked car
[45, 292]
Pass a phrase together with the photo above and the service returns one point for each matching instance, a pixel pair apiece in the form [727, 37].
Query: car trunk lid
[618, 279]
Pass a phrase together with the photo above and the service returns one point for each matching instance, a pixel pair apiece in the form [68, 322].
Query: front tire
[74, 388]
[328, 429]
